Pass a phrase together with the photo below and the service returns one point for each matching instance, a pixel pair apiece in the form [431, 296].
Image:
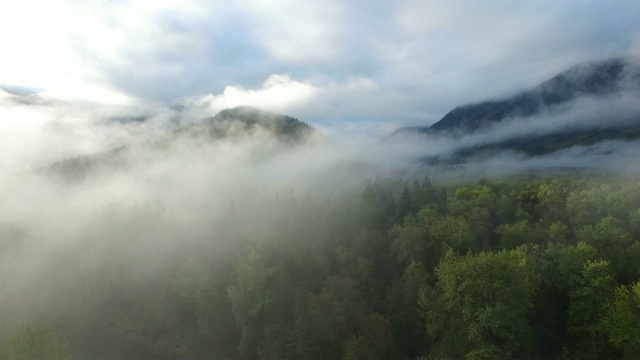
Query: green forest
[525, 267]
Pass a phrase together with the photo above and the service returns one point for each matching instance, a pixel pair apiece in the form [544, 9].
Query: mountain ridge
[232, 123]
[595, 81]
[245, 120]
[590, 78]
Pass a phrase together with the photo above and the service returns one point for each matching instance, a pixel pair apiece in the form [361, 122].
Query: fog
[136, 155]
[95, 199]
[581, 114]
[615, 110]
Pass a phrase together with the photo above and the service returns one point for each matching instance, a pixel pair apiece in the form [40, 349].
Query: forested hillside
[246, 120]
[587, 105]
[517, 268]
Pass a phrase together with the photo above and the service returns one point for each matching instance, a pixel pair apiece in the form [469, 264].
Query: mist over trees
[521, 267]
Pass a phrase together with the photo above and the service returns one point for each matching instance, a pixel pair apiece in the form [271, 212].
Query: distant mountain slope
[79, 167]
[246, 120]
[585, 79]
[233, 124]
[535, 145]
[543, 110]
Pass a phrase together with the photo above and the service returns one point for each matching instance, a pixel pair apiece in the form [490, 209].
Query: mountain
[585, 79]
[557, 99]
[235, 123]
[77, 168]
[246, 120]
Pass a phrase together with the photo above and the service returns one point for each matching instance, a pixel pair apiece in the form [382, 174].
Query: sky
[351, 64]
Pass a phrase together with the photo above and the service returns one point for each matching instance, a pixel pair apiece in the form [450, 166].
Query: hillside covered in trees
[242, 121]
[516, 268]
[587, 105]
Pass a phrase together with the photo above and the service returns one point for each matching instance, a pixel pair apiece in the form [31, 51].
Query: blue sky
[333, 62]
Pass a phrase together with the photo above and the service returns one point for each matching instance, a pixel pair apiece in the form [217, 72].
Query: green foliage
[558, 233]
[407, 327]
[477, 196]
[568, 262]
[634, 224]
[37, 342]
[481, 304]
[594, 287]
[243, 120]
[587, 207]
[327, 317]
[405, 205]
[373, 339]
[452, 232]
[476, 206]
[614, 243]
[205, 310]
[426, 236]
[411, 239]
[252, 297]
[622, 319]
[514, 235]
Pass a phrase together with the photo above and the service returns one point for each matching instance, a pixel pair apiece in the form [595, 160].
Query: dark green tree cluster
[520, 268]
[244, 120]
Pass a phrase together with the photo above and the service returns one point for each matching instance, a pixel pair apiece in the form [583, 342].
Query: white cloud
[38, 43]
[278, 93]
[70, 50]
[297, 31]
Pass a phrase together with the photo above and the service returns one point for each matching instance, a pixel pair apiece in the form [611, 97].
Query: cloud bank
[278, 93]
